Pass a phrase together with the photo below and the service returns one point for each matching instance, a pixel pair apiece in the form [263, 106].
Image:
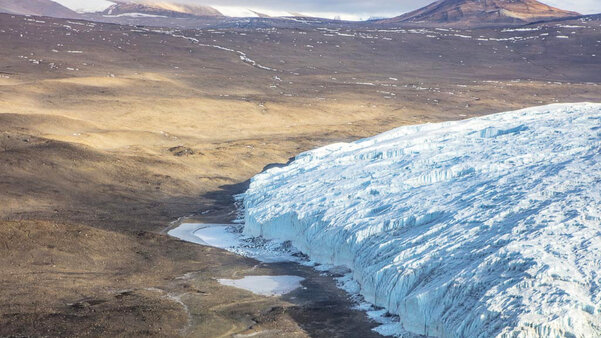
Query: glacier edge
[484, 227]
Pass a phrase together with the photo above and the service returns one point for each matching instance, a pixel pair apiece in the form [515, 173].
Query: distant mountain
[36, 7]
[160, 9]
[482, 12]
[168, 13]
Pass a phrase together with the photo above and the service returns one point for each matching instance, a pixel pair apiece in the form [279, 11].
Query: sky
[345, 9]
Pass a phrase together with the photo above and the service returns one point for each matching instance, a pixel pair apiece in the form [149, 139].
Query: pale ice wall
[478, 228]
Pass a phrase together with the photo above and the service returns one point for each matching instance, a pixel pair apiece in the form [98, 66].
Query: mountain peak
[482, 12]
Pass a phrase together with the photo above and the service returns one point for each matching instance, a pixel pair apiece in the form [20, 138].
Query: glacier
[484, 227]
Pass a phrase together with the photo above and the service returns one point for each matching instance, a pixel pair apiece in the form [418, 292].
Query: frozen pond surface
[216, 235]
[265, 285]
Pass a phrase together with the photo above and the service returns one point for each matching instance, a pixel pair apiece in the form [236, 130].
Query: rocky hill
[482, 13]
[36, 7]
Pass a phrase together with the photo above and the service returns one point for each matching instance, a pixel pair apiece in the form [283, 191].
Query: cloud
[582, 6]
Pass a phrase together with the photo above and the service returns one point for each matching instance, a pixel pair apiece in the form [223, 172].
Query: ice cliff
[484, 227]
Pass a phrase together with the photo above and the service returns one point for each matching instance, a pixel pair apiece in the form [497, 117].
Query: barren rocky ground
[109, 133]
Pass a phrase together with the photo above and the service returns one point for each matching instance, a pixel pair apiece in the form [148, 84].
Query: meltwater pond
[216, 235]
[225, 236]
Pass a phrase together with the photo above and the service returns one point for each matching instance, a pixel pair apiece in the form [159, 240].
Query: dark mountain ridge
[37, 7]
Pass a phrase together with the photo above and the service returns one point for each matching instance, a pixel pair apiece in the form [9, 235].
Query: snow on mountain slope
[87, 6]
[243, 12]
[477, 228]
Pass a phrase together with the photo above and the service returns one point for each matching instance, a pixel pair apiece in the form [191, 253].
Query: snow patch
[135, 15]
[87, 6]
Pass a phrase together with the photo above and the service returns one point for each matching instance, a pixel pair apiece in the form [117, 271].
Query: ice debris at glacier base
[228, 237]
[484, 227]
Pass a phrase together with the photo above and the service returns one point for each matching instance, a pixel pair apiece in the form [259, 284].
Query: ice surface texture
[485, 227]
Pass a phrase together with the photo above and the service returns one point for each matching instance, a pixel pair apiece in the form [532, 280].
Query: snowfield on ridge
[484, 227]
